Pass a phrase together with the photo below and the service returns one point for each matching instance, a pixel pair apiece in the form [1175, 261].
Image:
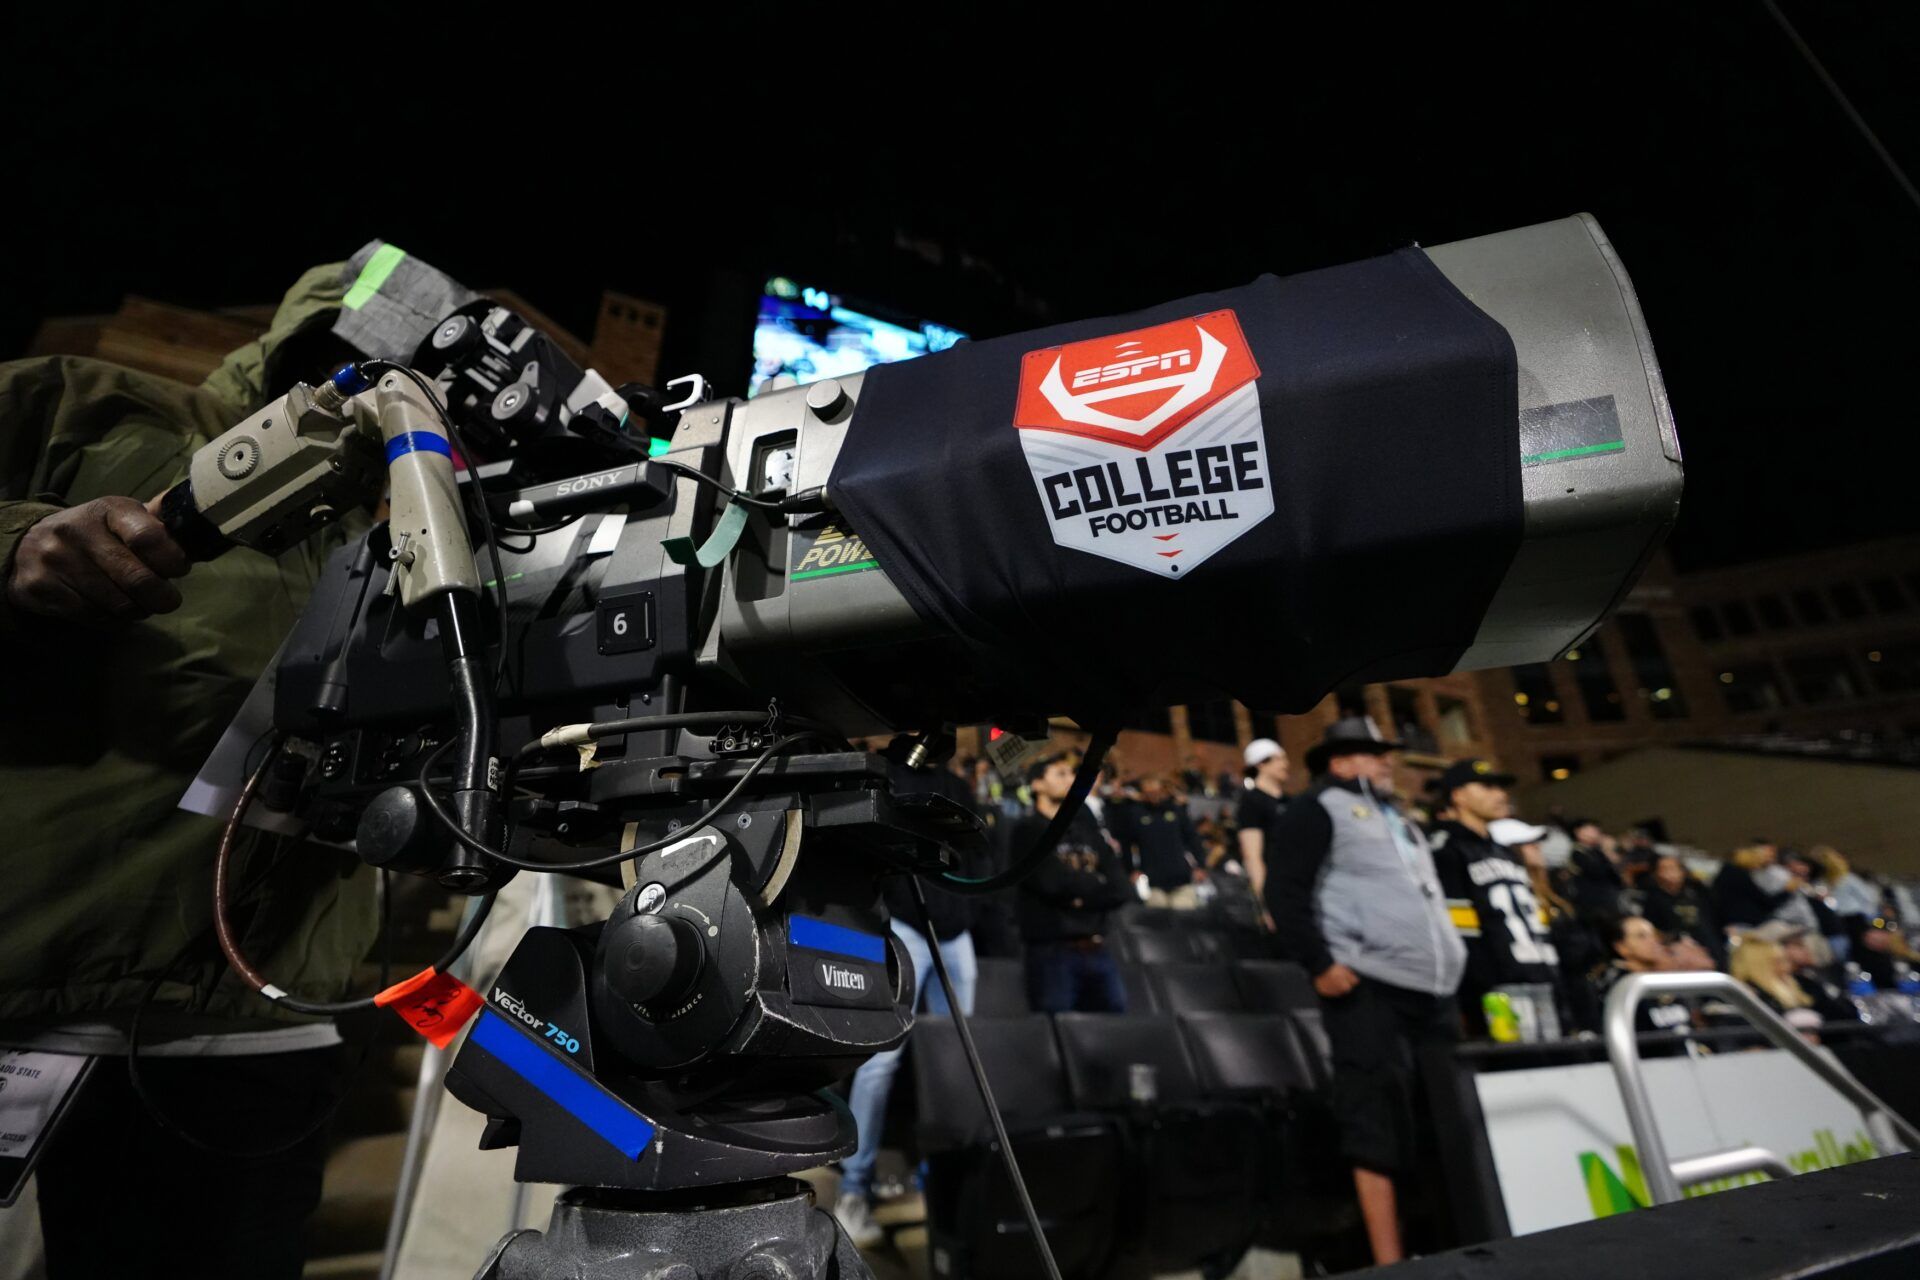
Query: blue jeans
[873, 1082]
[1067, 979]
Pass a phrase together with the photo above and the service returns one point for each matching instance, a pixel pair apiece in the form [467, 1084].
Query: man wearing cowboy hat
[1354, 898]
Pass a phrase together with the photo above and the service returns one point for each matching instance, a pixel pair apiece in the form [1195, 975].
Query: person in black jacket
[1161, 839]
[1751, 886]
[1676, 904]
[1636, 947]
[1596, 886]
[1063, 906]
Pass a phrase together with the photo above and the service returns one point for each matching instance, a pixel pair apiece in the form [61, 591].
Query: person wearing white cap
[1512, 833]
[1262, 801]
[1489, 893]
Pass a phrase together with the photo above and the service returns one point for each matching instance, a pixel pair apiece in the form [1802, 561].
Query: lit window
[1534, 694]
[1650, 664]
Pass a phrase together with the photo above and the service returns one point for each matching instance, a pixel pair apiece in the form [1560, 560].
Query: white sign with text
[1563, 1151]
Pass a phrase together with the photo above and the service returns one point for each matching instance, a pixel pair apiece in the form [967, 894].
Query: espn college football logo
[1147, 447]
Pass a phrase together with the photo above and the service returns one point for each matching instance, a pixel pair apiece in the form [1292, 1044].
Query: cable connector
[807, 501]
[567, 735]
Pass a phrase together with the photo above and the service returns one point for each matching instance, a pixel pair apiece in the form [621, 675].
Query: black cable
[1083, 781]
[537, 531]
[1845, 104]
[481, 847]
[533, 534]
[986, 1090]
[733, 495]
[677, 720]
[230, 942]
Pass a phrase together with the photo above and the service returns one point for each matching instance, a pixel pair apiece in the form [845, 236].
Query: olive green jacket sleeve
[55, 411]
[108, 880]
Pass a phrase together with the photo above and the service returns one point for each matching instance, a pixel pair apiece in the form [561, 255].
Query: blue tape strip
[586, 1101]
[818, 935]
[408, 441]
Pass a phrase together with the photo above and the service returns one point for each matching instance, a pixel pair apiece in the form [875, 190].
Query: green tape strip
[373, 275]
[838, 568]
[1617, 446]
[719, 544]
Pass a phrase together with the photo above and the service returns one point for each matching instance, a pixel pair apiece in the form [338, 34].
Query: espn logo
[1132, 366]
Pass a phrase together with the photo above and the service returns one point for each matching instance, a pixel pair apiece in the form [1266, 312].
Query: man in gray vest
[1354, 898]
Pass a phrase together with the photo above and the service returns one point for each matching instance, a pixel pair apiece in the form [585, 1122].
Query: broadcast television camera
[647, 667]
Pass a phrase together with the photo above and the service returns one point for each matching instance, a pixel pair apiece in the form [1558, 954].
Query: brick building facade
[1824, 645]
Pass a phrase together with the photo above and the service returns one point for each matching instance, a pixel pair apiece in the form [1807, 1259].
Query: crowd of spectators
[1418, 917]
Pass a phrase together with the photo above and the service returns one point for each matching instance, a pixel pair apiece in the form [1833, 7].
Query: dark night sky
[1778, 264]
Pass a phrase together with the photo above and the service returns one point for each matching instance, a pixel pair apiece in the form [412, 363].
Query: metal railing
[1665, 1177]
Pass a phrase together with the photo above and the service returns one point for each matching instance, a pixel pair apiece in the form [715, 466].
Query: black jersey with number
[1493, 906]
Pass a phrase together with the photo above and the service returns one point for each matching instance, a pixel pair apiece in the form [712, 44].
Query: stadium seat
[1001, 991]
[1211, 945]
[1159, 946]
[1274, 986]
[1022, 1064]
[1134, 919]
[1140, 993]
[1194, 1174]
[1247, 1054]
[1306, 1202]
[1100, 1051]
[1204, 987]
[1279, 986]
[1071, 1161]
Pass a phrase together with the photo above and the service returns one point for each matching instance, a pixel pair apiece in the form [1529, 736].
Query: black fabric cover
[1389, 407]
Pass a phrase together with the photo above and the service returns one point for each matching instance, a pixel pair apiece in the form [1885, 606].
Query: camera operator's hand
[103, 563]
[1335, 980]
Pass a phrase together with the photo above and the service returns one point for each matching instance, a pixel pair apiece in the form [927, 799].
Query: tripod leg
[773, 1230]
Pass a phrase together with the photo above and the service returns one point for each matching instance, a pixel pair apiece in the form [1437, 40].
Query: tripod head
[748, 966]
